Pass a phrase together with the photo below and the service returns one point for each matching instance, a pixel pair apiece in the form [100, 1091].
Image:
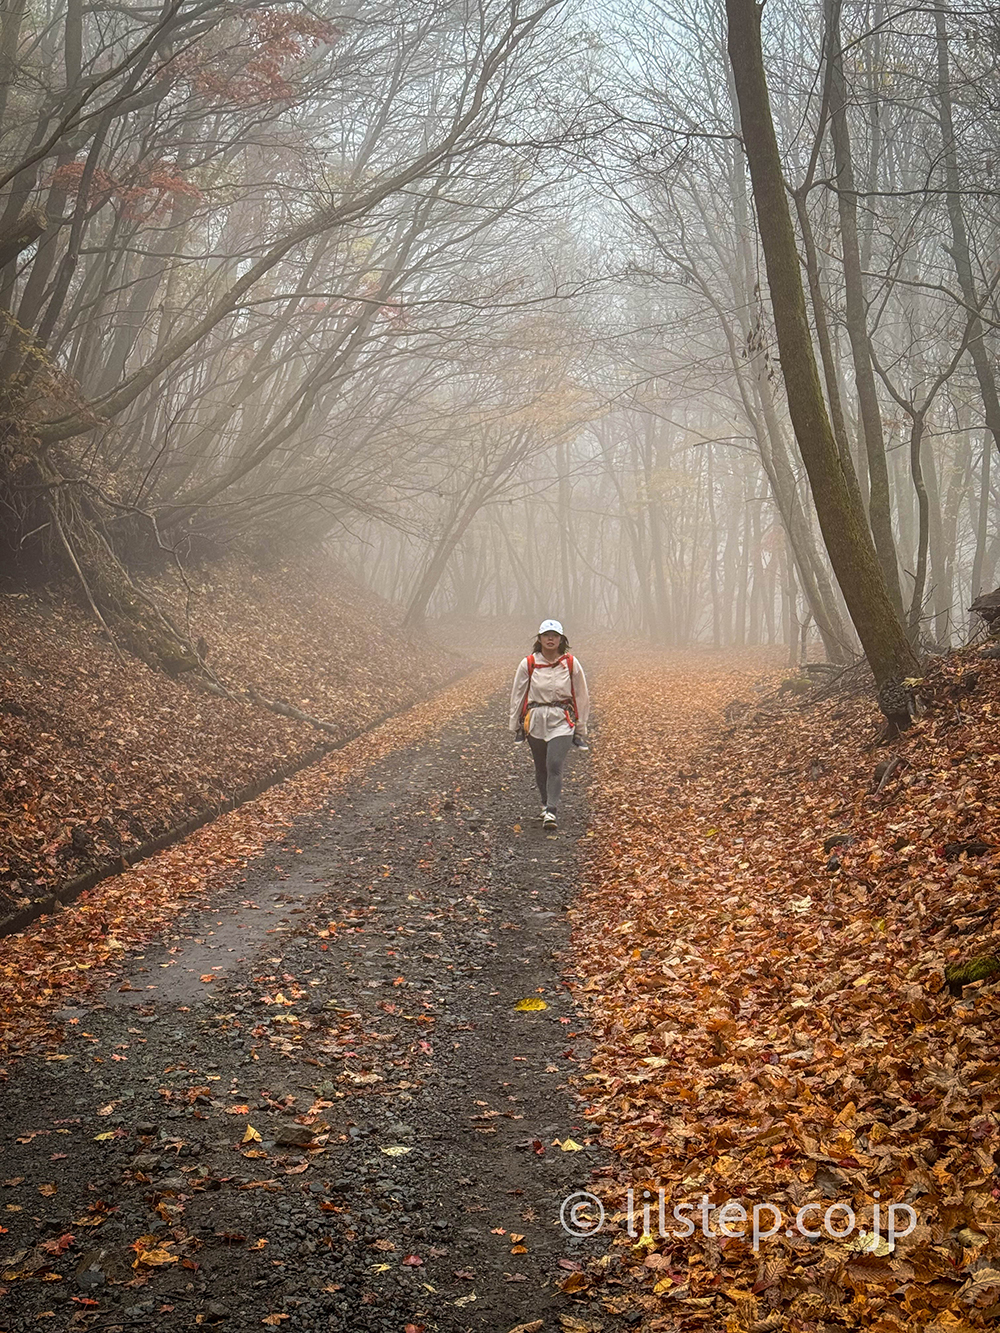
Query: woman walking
[549, 707]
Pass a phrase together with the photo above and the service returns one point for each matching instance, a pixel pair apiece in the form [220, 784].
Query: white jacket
[549, 683]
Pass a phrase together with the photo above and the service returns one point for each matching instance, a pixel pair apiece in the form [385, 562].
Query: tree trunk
[434, 569]
[845, 532]
[879, 507]
[130, 617]
[923, 512]
[981, 522]
[826, 347]
[959, 251]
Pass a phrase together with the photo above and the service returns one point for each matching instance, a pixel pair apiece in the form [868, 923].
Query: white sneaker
[549, 820]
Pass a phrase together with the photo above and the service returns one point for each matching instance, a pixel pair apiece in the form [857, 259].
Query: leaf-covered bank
[762, 943]
[99, 754]
[62, 958]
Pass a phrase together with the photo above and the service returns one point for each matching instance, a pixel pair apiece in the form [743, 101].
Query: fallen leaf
[59, 1246]
[573, 1283]
[156, 1258]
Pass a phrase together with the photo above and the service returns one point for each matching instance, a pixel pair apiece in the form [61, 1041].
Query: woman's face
[549, 641]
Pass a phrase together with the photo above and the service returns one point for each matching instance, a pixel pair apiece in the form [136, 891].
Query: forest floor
[100, 755]
[761, 938]
[279, 1075]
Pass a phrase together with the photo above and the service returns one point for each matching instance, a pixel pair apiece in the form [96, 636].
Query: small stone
[294, 1135]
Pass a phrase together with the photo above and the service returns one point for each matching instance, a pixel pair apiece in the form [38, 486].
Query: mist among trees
[601, 308]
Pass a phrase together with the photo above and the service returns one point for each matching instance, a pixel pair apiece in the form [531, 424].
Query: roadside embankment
[769, 911]
[102, 757]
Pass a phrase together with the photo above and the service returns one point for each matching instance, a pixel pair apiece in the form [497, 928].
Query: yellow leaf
[526, 1006]
[866, 1242]
[100, 1138]
[157, 1258]
[570, 1145]
[251, 1136]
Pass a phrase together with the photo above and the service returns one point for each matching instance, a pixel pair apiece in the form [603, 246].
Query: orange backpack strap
[572, 687]
[524, 703]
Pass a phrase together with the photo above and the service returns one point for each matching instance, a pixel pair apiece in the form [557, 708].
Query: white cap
[550, 624]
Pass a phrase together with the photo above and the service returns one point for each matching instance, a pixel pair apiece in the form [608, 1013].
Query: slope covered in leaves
[63, 956]
[761, 943]
[97, 755]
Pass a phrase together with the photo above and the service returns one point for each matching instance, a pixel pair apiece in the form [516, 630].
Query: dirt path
[316, 1106]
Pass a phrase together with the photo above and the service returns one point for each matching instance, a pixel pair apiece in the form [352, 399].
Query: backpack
[532, 664]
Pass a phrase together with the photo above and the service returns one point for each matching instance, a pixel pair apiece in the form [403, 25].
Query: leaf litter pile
[761, 942]
[98, 755]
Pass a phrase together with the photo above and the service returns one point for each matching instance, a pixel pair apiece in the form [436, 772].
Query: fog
[475, 295]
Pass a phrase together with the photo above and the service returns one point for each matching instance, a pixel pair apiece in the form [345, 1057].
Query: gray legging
[549, 757]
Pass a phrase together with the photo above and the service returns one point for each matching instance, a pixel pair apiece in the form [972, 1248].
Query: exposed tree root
[287, 710]
[129, 616]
